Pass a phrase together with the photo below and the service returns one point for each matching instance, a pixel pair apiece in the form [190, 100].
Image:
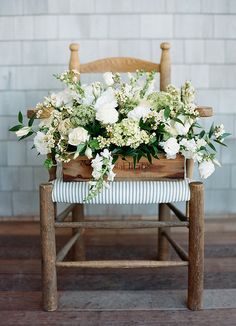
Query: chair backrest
[124, 64]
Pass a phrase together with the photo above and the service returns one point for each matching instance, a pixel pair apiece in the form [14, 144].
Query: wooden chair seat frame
[193, 219]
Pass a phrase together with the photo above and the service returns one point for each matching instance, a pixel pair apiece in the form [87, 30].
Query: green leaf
[31, 120]
[167, 113]
[226, 134]
[94, 144]
[80, 148]
[149, 157]
[48, 163]
[211, 130]
[219, 142]
[135, 160]
[115, 158]
[212, 146]
[16, 128]
[179, 121]
[202, 134]
[25, 136]
[20, 117]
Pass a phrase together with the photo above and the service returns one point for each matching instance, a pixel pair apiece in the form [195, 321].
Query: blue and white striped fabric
[124, 192]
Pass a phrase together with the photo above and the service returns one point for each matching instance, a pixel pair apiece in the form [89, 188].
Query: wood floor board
[20, 280]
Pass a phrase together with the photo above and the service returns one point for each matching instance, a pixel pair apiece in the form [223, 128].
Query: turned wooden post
[163, 244]
[189, 175]
[196, 246]
[48, 247]
[79, 248]
[165, 66]
[74, 63]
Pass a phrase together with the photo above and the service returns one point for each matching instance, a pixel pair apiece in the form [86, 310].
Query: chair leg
[48, 247]
[163, 244]
[196, 246]
[79, 247]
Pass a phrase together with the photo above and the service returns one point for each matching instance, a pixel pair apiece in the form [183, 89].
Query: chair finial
[74, 46]
[74, 57]
[165, 46]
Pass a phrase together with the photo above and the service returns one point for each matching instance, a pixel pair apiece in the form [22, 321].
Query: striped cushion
[124, 192]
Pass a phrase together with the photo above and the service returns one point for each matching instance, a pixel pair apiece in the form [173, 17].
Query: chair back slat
[124, 64]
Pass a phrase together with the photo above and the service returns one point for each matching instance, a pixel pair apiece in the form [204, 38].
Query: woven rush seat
[124, 192]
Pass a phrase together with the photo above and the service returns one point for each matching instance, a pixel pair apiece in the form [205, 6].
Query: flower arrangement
[106, 120]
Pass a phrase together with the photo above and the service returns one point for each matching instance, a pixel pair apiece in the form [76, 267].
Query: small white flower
[171, 147]
[46, 122]
[23, 131]
[77, 136]
[111, 175]
[206, 168]
[88, 95]
[108, 78]
[40, 142]
[201, 143]
[96, 174]
[107, 114]
[97, 163]
[219, 131]
[105, 153]
[140, 111]
[89, 153]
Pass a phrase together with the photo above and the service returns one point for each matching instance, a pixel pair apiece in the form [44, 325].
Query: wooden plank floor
[20, 278]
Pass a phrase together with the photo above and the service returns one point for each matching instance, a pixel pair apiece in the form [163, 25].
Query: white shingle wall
[34, 39]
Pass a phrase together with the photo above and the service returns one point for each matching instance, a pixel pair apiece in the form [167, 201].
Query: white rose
[140, 111]
[107, 114]
[107, 98]
[23, 131]
[77, 136]
[40, 142]
[108, 78]
[206, 168]
[89, 153]
[171, 147]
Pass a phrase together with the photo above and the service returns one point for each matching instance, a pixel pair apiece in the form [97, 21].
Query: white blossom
[108, 78]
[107, 114]
[64, 97]
[140, 111]
[106, 99]
[219, 131]
[88, 153]
[40, 143]
[77, 136]
[206, 168]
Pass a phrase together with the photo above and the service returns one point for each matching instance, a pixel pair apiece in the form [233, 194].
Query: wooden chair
[193, 193]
